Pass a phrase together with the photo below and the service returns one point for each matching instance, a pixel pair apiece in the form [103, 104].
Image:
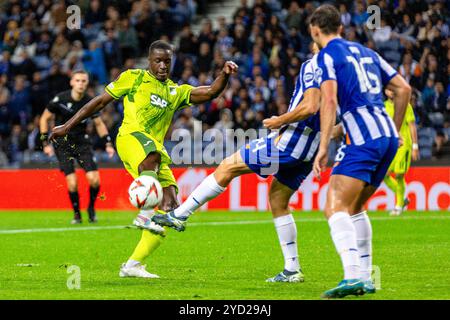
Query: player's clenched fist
[272, 123]
[230, 67]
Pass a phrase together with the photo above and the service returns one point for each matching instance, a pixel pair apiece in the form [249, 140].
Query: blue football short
[263, 158]
[368, 162]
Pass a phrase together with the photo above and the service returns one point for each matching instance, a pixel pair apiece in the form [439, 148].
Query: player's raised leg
[209, 189]
[286, 228]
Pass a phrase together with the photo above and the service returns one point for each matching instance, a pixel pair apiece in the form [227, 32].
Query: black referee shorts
[67, 151]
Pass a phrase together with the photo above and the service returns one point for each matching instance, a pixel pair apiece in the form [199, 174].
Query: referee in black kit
[76, 145]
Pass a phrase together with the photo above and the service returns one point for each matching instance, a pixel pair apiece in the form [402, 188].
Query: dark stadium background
[268, 39]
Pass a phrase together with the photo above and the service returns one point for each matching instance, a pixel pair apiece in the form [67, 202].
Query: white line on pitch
[216, 223]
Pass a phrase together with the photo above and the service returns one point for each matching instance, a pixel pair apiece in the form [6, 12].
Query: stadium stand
[268, 39]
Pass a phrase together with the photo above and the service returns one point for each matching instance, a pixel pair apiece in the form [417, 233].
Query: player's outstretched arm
[207, 93]
[306, 108]
[328, 106]
[402, 95]
[93, 106]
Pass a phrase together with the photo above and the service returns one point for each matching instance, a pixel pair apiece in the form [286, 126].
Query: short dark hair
[327, 18]
[160, 44]
[79, 71]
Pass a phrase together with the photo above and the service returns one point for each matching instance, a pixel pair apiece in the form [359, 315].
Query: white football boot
[396, 212]
[137, 271]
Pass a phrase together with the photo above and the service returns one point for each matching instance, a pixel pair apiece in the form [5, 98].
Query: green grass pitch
[221, 255]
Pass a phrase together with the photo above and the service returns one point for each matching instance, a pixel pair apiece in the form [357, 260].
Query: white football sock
[207, 190]
[132, 263]
[343, 234]
[287, 234]
[364, 241]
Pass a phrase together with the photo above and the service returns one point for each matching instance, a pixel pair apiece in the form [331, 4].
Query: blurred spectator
[346, 17]
[240, 41]
[188, 42]
[206, 33]
[383, 33]
[127, 41]
[73, 60]
[260, 86]
[5, 63]
[205, 57]
[94, 62]
[294, 16]
[360, 15]
[20, 102]
[224, 43]
[4, 110]
[60, 48]
[95, 14]
[112, 51]
[39, 91]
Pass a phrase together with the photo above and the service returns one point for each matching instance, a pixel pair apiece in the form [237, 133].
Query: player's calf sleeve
[149, 242]
[287, 235]
[93, 193]
[207, 190]
[363, 228]
[343, 234]
[400, 192]
[75, 200]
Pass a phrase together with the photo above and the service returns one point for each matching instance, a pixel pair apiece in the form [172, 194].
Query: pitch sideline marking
[212, 223]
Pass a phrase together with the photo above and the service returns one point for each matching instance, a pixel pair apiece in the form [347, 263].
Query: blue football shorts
[368, 162]
[263, 158]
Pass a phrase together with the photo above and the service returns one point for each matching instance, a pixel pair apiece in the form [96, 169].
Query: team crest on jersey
[308, 77]
[318, 75]
[157, 101]
[173, 90]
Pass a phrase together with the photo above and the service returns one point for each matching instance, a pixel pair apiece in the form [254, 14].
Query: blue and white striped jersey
[360, 74]
[301, 139]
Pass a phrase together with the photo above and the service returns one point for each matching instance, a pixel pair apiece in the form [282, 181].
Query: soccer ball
[145, 192]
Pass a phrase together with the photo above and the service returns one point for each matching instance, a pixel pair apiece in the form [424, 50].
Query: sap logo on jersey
[158, 101]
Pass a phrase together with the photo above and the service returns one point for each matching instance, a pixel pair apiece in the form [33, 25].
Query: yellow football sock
[149, 242]
[391, 183]
[400, 191]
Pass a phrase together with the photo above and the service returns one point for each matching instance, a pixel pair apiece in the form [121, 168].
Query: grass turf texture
[214, 260]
